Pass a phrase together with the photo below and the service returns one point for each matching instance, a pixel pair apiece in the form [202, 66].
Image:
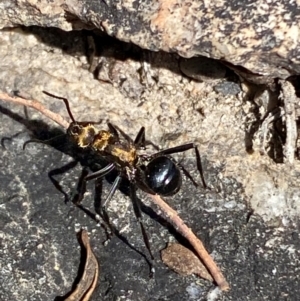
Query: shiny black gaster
[163, 176]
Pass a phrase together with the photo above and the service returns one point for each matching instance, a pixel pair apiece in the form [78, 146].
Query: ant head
[82, 133]
[74, 129]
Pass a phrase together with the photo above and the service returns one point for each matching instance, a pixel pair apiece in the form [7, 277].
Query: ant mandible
[157, 173]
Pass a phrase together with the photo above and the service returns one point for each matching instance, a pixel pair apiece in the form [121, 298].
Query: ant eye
[74, 130]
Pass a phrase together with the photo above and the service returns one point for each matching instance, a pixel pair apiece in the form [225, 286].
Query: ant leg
[138, 214]
[101, 173]
[199, 165]
[140, 182]
[140, 138]
[141, 142]
[82, 187]
[112, 191]
[113, 129]
[186, 173]
[105, 224]
[183, 148]
[98, 195]
[113, 231]
[175, 149]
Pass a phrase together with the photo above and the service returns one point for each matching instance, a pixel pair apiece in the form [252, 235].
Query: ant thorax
[102, 139]
[122, 153]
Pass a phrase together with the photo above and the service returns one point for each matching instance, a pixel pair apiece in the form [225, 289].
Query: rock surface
[261, 37]
[248, 220]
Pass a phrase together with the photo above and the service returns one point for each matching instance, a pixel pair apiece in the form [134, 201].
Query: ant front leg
[81, 188]
[183, 148]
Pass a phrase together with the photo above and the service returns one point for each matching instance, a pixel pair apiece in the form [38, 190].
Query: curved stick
[36, 105]
[185, 231]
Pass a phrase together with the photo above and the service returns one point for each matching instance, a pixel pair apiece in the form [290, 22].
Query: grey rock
[248, 220]
[228, 88]
[258, 36]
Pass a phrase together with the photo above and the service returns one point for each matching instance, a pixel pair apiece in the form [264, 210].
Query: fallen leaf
[88, 280]
[183, 261]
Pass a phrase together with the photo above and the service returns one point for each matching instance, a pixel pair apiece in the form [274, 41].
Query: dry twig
[36, 105]
[183, 261]
[170, 213]
[186, 232]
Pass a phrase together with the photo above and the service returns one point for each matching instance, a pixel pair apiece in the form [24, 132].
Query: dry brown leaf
[183, 261]
[88, 281]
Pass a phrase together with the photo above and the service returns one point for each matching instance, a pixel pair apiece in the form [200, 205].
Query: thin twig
[170, 213]
[36, 105]
[185, 231]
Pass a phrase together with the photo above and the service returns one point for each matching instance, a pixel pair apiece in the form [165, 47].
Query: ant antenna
[65, 101]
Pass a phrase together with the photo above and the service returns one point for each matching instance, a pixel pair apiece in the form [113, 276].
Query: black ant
[156, 173]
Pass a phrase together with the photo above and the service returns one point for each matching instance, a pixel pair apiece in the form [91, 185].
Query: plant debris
[87, 283]
[183, 261]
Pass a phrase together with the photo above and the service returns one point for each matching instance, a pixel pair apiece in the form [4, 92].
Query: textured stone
[248, 220]
[260, 36]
